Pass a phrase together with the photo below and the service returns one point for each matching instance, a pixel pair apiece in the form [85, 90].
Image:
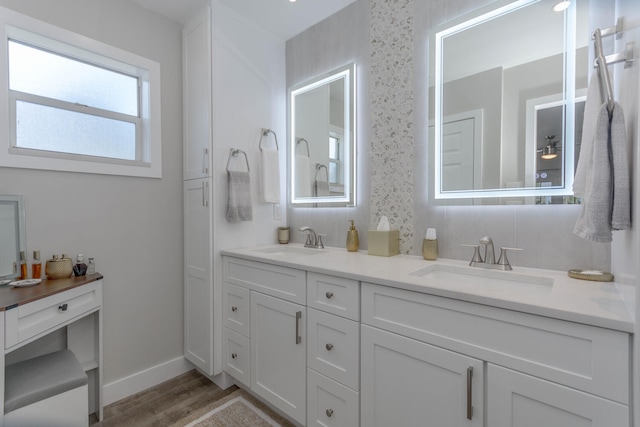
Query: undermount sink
[449, 273]
[289, 250]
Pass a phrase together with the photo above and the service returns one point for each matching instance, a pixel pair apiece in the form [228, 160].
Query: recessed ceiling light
[560, 6]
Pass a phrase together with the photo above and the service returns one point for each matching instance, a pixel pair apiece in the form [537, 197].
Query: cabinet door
[416, 384]
[278, 353]
[518, 400]
[196, 47]
[198, 281]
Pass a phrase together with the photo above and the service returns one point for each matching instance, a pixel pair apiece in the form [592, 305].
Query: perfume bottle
[80, 269]
[23, 266]
[91, 266]
[36, 266]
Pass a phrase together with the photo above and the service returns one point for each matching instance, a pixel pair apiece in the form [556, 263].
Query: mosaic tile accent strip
[392, 115]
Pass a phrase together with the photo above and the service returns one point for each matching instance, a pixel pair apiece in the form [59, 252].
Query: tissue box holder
[383, 243]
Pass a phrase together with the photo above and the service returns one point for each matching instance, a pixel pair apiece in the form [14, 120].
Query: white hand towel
[591, 109]
[302, 176]
[239, 197]
[322, 188]
[270, 166]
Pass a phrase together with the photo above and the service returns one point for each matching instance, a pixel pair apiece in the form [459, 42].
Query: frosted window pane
[46, 74]
[47, 128]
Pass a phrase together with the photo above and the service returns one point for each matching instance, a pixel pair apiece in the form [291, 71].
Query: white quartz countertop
[554, 294]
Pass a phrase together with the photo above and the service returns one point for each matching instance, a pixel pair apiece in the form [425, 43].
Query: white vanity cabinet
[539, 371]
[264, 332]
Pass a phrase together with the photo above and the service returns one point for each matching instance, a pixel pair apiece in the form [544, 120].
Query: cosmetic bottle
[91, 266]
[36, 266]
[80, 269]
[353, 243]
[23, 266]
[430, 245]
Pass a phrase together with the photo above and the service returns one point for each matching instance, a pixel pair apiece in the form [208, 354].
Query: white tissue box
[383, 243]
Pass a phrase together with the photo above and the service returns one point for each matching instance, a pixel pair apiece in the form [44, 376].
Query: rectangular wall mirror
[322, 140]
[12, 235]
[506, 103]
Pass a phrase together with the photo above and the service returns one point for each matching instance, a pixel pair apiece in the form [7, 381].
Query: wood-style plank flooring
[163, 404]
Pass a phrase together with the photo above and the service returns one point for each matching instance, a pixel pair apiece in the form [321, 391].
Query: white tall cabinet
[197, 193]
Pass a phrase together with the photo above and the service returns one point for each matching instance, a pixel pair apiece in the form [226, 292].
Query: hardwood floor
[163, 404]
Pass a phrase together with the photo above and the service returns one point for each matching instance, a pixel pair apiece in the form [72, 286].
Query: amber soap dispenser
[353, 242]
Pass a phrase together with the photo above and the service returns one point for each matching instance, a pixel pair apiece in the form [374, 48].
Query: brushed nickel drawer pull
[469, 396]
[329, 295]
[329, 412]
[298, 318]
[329, 347]
[234, 355]
[63, 307]
[234, 308]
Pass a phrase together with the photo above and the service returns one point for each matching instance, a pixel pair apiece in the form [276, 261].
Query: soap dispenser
[353, 242]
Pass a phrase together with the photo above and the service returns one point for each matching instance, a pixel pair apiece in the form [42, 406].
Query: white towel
[239, 197]
[591, 109]
[322, 188]
[604, 178]
[303, 176]
[270, 166]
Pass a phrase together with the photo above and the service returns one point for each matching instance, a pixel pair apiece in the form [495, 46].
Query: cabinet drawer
[236, 308]
[236, 356]
[329, 403]
[334, 295]
[333, 347]
[572, 354]
[45, 315]
[281, 282]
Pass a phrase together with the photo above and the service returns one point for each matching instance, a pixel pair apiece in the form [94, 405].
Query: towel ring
[299, 140]
[326, 171]
[233, 153]
[266, 132]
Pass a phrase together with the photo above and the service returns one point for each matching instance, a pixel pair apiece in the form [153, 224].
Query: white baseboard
[142, 380]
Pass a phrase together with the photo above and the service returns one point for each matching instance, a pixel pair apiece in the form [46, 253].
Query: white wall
[249, 94]
[132, 226]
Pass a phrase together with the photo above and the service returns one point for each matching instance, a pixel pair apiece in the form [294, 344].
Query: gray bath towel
[239, 197]
[604, 187]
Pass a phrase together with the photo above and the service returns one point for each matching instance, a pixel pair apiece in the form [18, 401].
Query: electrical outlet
[277, 215]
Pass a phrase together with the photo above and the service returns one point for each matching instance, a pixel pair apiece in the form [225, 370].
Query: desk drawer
[48, 314]
[568, 353]
[333, 347]
[334, 295]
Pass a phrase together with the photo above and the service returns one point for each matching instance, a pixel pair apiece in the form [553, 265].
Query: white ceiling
[280, 17]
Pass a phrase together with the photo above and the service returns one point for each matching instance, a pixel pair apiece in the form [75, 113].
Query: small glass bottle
[36, 266]
[23, 266]
[80, 269]
[91, 266]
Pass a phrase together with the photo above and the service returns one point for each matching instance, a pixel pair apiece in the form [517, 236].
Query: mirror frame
[475, 18]
[348, 73]
[18, 202]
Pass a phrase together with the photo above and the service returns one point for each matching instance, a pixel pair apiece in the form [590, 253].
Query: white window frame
[23, 28]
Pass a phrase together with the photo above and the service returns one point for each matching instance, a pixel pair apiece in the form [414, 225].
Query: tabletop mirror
[506, 103]
[12, 235]
[322, 140]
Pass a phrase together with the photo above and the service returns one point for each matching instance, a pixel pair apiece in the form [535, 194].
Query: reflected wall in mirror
[322, 140]
[502, 77]
[12, 235]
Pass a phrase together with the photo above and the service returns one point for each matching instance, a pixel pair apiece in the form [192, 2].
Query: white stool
[49, 390]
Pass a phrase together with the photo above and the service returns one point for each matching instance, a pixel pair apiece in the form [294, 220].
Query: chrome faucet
[489, 260]
[314, 240]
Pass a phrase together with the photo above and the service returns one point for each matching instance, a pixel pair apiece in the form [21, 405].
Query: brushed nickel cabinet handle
[205, 160]
[298, 318]
[234, 355]
[469, 395]
[329, 295]
[329, 347]
[329, 412]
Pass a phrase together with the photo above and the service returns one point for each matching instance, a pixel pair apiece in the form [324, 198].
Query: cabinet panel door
[198, 280]
[196, 47]
[417, 383]
[278, 353]
[518, 400]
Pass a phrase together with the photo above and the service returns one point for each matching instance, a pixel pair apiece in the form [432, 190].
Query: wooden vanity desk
[53, 315]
